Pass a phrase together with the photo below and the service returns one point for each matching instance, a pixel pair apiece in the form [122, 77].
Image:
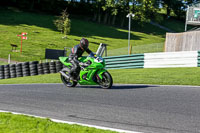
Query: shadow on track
[120, 87]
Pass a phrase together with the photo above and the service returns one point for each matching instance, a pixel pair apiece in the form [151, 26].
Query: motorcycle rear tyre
[67, 82]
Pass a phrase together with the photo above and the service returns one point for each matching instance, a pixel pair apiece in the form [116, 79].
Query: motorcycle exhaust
[64, 74]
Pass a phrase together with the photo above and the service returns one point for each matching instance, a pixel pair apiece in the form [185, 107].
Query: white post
[129, 32]
[99, 50]
[9, 59]
[186, 19]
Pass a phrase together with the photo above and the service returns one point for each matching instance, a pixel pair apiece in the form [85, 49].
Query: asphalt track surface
[142, 108]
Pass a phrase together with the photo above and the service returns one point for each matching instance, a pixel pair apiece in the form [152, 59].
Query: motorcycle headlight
[99, 59]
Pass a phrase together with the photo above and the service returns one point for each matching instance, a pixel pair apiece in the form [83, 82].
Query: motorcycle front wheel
[68, 82]
[107, 80]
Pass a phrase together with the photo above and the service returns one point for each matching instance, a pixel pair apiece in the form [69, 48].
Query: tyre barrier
[46, 68]
[7, 71]
[1, 72]
[13, 71]
[59, 66]
[31, 68]
[25, 69]
[19, 72]
[40, 69]
[52, 67]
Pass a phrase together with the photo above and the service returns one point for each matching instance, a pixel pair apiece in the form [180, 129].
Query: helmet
[84, 43]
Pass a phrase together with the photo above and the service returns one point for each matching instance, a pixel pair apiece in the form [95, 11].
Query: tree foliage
[105, 11]
[63, 22]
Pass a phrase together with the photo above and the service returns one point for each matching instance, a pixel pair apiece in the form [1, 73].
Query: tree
[97, 9]
[63, 22]
[67, 26]
[124, 9]
[191, 1]
[144, 10]
[172, 5]
[110, 9]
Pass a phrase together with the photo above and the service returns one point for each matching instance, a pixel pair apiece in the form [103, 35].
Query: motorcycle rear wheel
[68, 82]
[107, 80]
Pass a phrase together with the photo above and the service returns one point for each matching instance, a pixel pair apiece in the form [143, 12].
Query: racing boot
[73, 77]
[64, 74]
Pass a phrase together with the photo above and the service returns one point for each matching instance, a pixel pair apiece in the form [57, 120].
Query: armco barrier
[125, 61]
[171, 59]
[155, 60]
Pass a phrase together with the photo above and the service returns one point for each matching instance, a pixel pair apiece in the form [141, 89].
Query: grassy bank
[162, 76]
[43, 34]
[10, 123]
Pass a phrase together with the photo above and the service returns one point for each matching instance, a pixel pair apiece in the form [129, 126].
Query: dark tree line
[106, 11]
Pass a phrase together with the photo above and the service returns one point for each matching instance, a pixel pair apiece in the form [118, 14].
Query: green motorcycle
[92, 72]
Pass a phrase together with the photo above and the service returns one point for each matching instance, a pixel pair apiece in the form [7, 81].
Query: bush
[67, 26]
[63, 22]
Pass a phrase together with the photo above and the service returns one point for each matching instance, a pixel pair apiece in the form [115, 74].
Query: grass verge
[10, 123]
[161, 76]
[3, 63]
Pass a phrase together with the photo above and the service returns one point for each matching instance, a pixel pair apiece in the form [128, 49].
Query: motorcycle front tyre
[107, 81]
[68, 82]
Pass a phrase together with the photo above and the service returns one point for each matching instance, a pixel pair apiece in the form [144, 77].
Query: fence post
[9, 59]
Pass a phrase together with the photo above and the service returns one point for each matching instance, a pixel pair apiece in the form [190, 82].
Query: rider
[77, 52]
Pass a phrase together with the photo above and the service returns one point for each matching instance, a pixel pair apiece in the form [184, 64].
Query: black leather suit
[76, 52]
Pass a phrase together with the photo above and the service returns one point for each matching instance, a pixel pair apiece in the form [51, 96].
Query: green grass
[48, 78]
[3, 63]
[175, 25]
[43, 34]
[10, 123]
[171, 22]
[148, 48]
[161, 76]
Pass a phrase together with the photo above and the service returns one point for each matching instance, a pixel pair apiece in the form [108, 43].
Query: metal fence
[137, 49]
